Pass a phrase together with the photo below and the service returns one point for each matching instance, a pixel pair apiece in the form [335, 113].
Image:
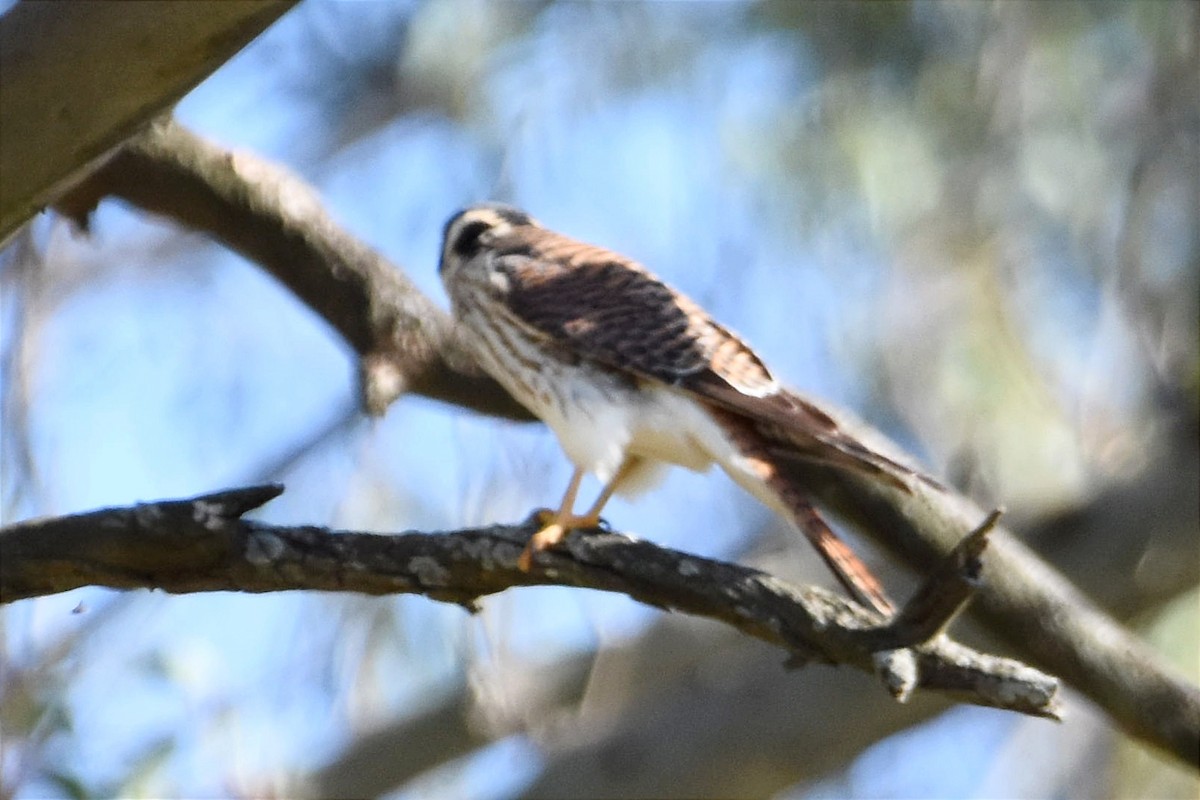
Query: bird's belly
[606, 422]
[587, 409]
[600, 416]
[670, 427]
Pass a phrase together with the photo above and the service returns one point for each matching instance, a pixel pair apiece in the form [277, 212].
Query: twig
[945, 592]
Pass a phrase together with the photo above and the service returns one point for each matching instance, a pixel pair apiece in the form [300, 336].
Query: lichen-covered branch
[202, 544]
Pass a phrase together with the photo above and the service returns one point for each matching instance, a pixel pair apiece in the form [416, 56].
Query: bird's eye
[467, 243]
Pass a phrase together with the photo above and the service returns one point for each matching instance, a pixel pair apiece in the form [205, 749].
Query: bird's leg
[591, 517]
[566, 508]
[557, 524]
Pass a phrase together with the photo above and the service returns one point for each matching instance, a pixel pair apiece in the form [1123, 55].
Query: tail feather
[762, 468]
[797, 430]
[847, 567]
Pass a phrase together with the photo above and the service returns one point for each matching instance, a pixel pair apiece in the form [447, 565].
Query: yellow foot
[546, 537]
[554, 529]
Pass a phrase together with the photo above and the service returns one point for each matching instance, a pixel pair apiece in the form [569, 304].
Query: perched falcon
[632, 376]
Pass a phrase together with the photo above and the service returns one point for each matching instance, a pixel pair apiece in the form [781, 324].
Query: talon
[545, 538]
[525, 560]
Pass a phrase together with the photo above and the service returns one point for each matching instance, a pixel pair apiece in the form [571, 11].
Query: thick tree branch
[272, 217]
[80, 78]
[1026, 602]
[202, 544]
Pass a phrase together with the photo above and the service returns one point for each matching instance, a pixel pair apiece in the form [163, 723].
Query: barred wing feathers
[611, 310]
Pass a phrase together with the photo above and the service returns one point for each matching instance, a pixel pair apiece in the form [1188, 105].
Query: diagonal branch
[80, 78]
[272, 217]
[202, 544]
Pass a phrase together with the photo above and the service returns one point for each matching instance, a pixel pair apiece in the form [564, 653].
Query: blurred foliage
[972, 221]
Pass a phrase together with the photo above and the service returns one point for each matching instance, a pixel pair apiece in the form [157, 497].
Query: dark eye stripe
[467, 243]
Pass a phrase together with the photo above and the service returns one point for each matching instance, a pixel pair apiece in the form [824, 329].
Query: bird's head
[474, 228]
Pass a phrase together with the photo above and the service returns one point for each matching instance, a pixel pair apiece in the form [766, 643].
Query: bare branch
[946, 590]
[202, 544]
[274, 218]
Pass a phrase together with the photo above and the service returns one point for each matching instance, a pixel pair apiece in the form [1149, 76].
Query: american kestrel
[631, 376]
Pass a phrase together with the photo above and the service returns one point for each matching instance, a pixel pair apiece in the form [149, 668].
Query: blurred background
[971, 223]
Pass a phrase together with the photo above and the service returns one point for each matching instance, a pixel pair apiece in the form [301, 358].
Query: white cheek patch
[499, 280]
